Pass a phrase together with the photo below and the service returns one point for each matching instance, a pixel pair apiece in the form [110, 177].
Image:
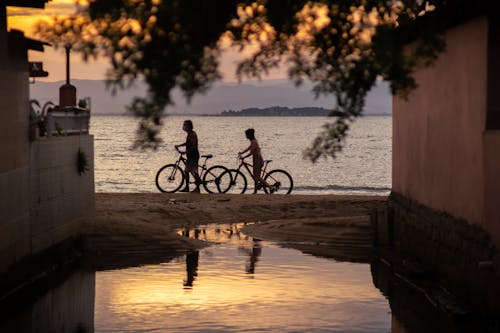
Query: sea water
[363, 166]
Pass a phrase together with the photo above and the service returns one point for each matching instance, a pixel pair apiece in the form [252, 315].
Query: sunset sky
[24, 19]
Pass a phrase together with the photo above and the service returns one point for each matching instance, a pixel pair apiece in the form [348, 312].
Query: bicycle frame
[247, 166]
[183, 160]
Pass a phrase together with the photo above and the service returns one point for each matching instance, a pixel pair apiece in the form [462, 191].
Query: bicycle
[234, 181]
[171, 177]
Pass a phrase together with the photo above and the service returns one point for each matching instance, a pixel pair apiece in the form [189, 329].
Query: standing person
[258, 161]
[192, 155]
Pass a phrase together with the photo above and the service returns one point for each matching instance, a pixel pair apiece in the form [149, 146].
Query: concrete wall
[445, 205]
[14, 158]
[42, 196]
[44, 203]
[60, 196]
[438, 150]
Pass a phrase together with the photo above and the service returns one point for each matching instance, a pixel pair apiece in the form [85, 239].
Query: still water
[363, 167]
[238, 284]
[241, 285]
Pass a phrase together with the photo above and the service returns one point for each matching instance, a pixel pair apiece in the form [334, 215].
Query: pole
[68, 47]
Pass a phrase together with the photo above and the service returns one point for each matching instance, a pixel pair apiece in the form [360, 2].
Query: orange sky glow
[313, 18]
[54, 61]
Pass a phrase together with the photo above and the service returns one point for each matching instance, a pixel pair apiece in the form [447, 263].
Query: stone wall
[460, 255]
[417, 306]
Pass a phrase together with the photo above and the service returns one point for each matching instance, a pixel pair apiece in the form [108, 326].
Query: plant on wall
[58, 128]
[82, 163]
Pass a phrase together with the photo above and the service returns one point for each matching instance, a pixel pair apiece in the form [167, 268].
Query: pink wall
[438, 150]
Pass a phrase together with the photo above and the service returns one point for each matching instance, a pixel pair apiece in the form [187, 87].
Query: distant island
[281, 111]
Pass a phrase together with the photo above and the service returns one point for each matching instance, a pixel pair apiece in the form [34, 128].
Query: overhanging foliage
[343, 47]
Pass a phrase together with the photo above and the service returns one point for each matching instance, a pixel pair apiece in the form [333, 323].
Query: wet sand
[129, 227]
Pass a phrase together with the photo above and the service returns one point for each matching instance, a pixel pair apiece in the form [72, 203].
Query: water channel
[237, 284]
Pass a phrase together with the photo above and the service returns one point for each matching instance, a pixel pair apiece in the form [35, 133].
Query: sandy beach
[139, 228]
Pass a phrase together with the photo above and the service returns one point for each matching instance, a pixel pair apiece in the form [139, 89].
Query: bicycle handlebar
[180, 152]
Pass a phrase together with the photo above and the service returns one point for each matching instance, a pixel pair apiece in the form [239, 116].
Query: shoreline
[140, 228]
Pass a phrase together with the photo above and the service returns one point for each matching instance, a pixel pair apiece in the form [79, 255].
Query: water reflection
[240, 284]
[191, 268]
[254, 253]
[229, 233]
[66, 307]
[432, 310]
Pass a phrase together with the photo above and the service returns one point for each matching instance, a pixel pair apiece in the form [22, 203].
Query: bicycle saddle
[207, 156]
[268, 161]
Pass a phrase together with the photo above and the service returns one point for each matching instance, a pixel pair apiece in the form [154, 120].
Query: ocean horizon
[363, 167]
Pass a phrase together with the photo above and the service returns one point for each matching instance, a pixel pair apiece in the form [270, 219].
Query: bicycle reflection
[252, 247]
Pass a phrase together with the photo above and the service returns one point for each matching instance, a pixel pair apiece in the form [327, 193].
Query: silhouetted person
[191, 267]
[192, 155]
[257, 160]
[254, 255]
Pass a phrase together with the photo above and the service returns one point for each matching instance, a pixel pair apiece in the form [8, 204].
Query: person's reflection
[191, 268]
[253, 254]
[230, 231]
[186, 232]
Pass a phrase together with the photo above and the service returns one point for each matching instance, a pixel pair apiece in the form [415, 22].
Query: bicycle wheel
[169, 178]
[211, 178]
[232, 181]
[280, 181]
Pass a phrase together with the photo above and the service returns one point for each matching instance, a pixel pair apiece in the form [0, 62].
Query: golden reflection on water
[286, 289]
